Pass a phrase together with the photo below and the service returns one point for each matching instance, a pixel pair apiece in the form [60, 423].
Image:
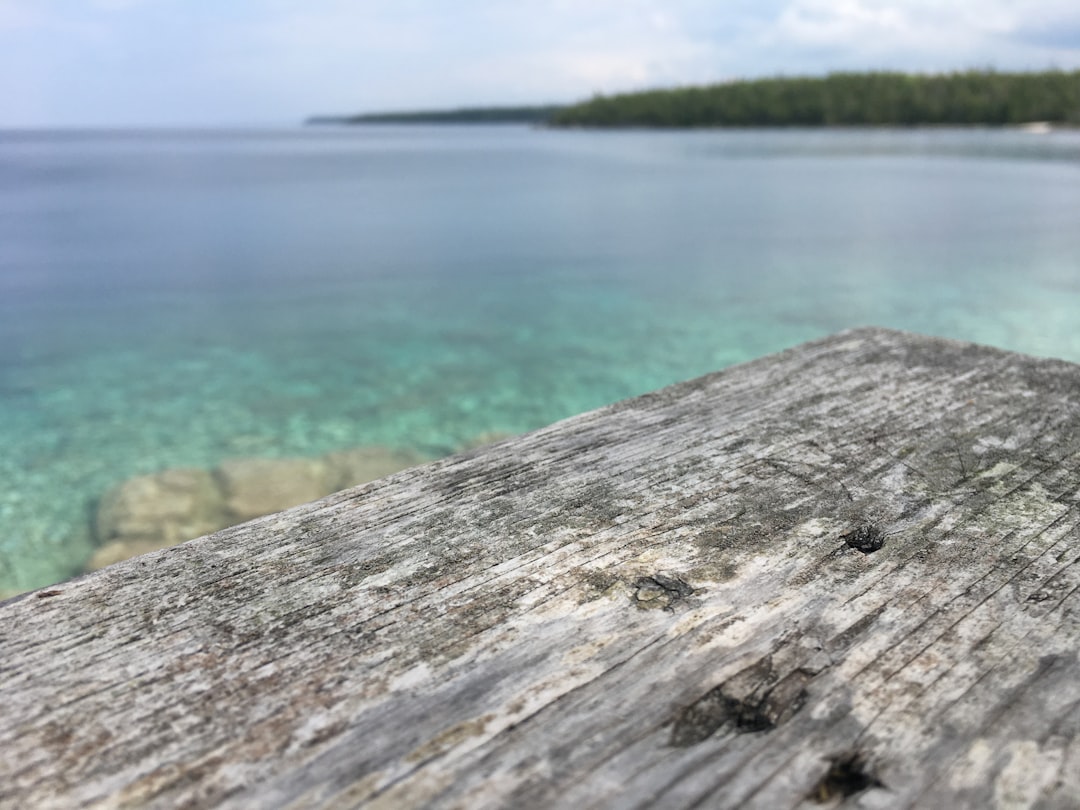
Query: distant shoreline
[463, 115]
[1050, 99]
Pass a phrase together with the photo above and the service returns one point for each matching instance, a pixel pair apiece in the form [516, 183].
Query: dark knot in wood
[866, 538]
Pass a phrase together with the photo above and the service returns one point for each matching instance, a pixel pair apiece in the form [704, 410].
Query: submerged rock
[150, 512]
[484, 439]
[153, 511]
[253, 487]
[360, 465]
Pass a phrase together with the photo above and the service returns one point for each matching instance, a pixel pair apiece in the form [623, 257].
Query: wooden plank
[844, 574]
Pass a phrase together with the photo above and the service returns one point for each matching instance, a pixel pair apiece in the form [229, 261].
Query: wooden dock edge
[842, 575]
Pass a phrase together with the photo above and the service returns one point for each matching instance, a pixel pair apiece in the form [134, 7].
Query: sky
[113, 63]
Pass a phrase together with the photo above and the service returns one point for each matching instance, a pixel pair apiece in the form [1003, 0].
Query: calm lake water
[174, 298]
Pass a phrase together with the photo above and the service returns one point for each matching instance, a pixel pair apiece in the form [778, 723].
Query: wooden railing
[844, 574]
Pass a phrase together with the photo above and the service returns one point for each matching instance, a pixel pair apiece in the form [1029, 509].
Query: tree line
[843, 99]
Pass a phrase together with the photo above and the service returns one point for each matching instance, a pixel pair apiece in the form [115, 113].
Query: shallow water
[174, 298]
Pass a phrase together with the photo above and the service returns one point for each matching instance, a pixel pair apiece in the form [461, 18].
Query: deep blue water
[172, 298]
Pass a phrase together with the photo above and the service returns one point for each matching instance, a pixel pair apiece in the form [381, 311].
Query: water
[173, 298]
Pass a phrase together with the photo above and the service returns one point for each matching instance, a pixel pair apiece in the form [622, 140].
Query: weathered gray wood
[847, 573]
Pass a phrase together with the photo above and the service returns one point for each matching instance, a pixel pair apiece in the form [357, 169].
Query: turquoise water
[174, 298]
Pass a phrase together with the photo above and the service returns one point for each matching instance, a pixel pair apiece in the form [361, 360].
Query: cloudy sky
[162, 62]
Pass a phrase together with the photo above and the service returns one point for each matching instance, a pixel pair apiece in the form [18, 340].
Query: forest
[843, 99]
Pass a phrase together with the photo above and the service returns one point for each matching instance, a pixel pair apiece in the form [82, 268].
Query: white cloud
[601, 46]
[828, 22]
[918, 34]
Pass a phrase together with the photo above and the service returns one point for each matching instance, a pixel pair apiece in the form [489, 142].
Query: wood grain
[843, 575]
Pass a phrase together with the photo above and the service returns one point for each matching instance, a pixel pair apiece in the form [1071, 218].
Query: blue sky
[164, 62]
